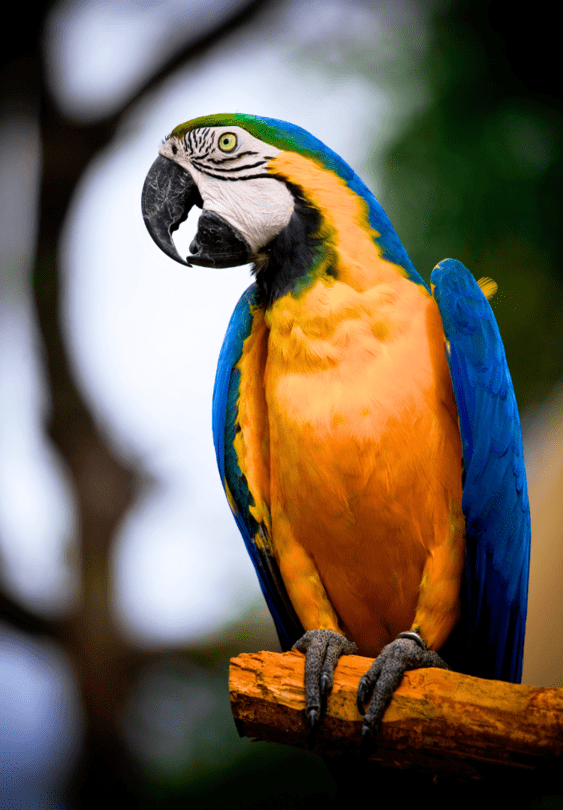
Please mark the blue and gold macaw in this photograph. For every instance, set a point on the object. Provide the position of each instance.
(366, 429)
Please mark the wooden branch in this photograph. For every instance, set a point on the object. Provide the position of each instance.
(438, 721)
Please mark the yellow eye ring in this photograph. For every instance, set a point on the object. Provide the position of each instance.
(227, 142)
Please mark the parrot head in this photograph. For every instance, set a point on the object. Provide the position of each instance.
(270, 194)
(222, 164)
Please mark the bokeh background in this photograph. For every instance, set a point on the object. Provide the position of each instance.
(124, 586)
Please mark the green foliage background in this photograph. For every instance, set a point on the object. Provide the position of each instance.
(475, 173)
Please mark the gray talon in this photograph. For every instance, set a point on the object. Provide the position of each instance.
(322, 649)
(407, 652)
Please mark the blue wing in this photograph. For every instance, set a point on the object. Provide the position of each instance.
(489, 640)
(225, 412)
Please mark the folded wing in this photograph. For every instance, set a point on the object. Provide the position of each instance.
(489, 639)
(243, 496)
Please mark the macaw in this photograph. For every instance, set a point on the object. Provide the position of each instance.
(365, 424)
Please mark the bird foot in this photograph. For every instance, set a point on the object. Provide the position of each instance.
(322, 649)
(408, 651)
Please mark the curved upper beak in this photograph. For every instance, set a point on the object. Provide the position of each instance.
(169, 193)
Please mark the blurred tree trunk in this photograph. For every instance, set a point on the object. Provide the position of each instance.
(103, 484)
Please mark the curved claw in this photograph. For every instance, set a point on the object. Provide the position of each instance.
(313, 717)
(322, 649)
(385, 675)
(366, 738)
(362, 694)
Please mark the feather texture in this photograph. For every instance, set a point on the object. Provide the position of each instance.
(366, 431)
(490, 639)
(255, 533)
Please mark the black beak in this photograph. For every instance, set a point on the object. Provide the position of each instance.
(169, 193)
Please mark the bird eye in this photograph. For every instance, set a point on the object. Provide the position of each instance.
(227, 142)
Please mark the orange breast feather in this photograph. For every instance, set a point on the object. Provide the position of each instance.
(349, 437)
(364, 461)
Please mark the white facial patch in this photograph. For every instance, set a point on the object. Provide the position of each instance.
(258, 207)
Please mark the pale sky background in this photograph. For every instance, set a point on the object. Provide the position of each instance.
(144, 332)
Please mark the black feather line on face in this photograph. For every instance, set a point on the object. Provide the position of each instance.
(230, 158)
(292, 253)
(215, 169)
(204, 169)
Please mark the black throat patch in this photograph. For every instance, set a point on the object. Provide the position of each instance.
(293, 253)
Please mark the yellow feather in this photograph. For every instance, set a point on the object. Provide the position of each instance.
(346, 412)
(488, 287)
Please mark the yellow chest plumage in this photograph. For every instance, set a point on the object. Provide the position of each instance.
(348, 435)
(365, 456)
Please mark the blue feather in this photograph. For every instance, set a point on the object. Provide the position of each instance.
(489, 640)
(225, 411)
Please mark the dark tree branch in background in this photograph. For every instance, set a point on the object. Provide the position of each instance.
(104, 485)
(24, 620)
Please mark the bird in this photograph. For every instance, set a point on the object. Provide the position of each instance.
(365, 423)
